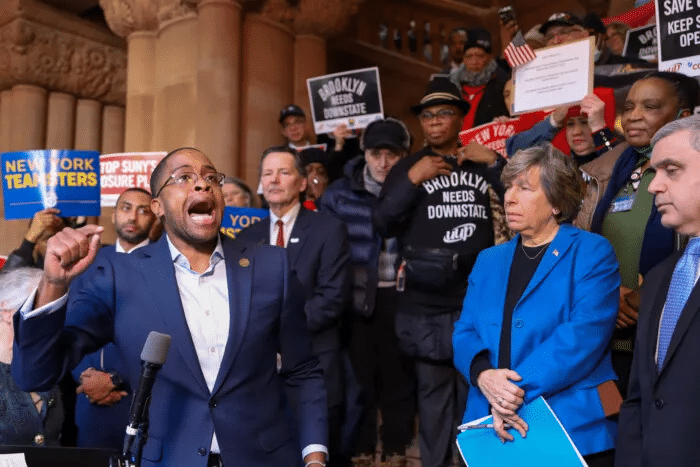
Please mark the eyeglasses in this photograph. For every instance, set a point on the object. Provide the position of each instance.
(443, 114)
(562, 32)
(190, 178)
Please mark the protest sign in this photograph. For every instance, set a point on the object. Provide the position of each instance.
(236, 219)
(559, 75)
(353, 98)
(678, 23)
(125, 170)
(492, 135)
(40, 179)
(642, 43)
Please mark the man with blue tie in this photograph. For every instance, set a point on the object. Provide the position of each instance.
(219, 399)
(658, 421)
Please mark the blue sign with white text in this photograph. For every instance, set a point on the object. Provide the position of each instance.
(237, 219)
(63, 179)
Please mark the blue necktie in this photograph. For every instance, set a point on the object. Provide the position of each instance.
(682, 284)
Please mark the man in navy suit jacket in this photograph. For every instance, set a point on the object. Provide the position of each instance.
(219, 399)
(101, 413)
(658, 420)
(318, 252)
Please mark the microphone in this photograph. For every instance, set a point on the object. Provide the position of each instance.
(153, 355)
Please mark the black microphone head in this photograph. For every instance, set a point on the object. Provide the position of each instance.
(155, 350)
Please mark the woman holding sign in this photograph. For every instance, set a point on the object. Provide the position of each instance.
(540, 310)
(619, 206)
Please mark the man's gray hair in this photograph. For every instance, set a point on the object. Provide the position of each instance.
(560, 178)
(691, 124)
(16, 285)
(298, 162)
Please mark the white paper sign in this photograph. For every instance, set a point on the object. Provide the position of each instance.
(12, 460)
(560, 75)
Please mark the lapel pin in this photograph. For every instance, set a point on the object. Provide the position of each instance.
(294, 240)
(556, 252)
(244, 262)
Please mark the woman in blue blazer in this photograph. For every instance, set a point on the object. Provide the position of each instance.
(540, 310)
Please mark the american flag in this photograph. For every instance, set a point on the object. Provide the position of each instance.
(518, 52)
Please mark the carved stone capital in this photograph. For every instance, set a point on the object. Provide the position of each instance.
(173, 9)
(279, 11)
(316, 17)
(127, 16)
(324, 17)
(59, 60)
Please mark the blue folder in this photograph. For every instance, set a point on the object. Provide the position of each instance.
(547, 442)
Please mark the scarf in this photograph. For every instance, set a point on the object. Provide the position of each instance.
(473, 78)
(371, 184)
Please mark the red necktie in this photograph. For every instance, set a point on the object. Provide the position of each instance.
(280, 233)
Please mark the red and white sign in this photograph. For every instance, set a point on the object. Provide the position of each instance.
(125, 170)
(492, 135)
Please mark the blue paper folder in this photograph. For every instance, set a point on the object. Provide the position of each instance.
(547, 442)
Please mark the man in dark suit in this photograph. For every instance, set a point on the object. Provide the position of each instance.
(102, 412)
(658, 421)
(318, 253)
(219, 399)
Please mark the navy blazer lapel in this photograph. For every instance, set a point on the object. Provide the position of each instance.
(653, 303)
(298, 235)
(690, 309)
(555, 252)
(239, 275)
(159, 274)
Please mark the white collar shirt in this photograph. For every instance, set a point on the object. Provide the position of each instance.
(205, 302)
(120, 249)
(288, 221)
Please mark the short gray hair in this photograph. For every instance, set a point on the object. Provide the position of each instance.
(16, 285)
(247, 193)
(691, 124)
(298, 163)
(560, 178)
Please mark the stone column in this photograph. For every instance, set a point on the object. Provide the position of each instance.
(112, 129)
(137, 21)
(313, 23)
(309, 61)
(5, 120)
(11, 232)
(60, 126)
(140, 91)
(28, 117)
(218, 82)
(176, 82)
(268, 70)
(88, 124)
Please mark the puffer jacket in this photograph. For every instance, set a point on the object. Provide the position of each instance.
(348, 200)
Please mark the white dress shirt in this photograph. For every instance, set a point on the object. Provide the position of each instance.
(120, 249)
(289, 219)
(205, 302)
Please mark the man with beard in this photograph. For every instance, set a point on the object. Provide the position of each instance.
(132, 219)
(229, 307)
(102, 414)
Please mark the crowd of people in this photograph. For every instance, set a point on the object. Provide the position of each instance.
(386, 286)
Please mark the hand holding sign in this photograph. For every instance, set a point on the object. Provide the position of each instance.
(68, 253)
(43, 220)
(594, 107)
